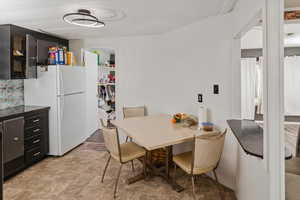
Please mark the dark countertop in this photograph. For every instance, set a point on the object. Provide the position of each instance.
(250, 137)
(18, 110)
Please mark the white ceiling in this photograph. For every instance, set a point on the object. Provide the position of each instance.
(140, 17)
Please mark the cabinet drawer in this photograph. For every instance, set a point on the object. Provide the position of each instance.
(33, 155)
(33, 141)
(29, 132)
(33, 121)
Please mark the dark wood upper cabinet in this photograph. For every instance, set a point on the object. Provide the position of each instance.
(31, 57)
(20, 51)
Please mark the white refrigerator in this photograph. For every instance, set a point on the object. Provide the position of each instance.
(63, 89)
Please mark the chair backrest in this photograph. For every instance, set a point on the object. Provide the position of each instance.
(292, 137)
(111, 140)
(139, 111)
(208, 150)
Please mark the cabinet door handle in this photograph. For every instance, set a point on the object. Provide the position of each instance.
(36, 141)
(36, 154)
(36, 130)
(36, 120)
(16, 139)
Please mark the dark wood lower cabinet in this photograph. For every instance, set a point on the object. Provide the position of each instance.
(35, 141)
(36, 137)
(33, 155)
(1, 162)
(14, 166)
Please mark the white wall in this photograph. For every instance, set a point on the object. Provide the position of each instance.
(76, 47)
(251, 179)
(253, 39)
(200, 56)
(244, 12)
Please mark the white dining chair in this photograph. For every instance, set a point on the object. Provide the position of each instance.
(138, 111)
(129, 112)
(292, 138)
(122, 153)
(204, 157)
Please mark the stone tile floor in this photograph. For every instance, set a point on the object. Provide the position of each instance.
(76, 176)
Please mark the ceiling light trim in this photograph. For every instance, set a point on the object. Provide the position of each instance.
(83, 18)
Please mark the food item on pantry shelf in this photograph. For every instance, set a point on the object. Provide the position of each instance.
(111, 78)
(62, 55)
(17, 53)
(52, 55)
(74, 60)
(57, 55)
(69, 58)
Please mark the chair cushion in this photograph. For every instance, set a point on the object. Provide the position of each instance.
(184, 161)
(130, 151)
(292, 186)
(293, 166)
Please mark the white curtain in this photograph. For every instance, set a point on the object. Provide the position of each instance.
(260, 85)
(252, 76)
(249, 72)
(292, 85)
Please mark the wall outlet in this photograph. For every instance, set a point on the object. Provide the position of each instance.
(200, 98)
(216, 89)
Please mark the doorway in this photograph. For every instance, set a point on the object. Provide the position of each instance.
(104, 86)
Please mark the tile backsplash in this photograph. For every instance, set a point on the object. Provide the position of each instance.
(11, 93)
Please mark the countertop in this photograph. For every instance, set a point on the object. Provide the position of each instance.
(250, 137)
(18, 110)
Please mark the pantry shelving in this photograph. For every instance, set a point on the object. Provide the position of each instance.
(106, 84)
(105, 67)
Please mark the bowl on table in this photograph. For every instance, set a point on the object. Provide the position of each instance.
(208, 126)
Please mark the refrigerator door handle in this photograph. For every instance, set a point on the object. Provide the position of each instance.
(62, 107)
(70, 94)
(61, 84)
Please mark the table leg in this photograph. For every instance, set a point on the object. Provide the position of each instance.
(135, 179)
(141, 176)
(163, 172)
(173, 183)
(168, 152)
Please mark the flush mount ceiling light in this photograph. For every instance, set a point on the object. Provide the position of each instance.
(83, 18)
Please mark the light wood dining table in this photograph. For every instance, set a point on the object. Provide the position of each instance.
(154, 132)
